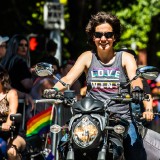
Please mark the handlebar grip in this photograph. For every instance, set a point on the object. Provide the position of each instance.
(12, 128)
(127, 99)
(121, 99)
(49, 93)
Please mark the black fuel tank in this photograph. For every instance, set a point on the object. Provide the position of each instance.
(88, 105)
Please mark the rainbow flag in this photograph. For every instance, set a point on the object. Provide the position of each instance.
(40, 123)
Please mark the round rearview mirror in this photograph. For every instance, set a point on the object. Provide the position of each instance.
(148, 72)
(43, 69)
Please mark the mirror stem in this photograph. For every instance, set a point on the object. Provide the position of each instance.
(68, 87)
(131, 81)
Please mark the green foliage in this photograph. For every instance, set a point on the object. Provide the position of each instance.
(136, 21)
(158, 54)
(37, 13)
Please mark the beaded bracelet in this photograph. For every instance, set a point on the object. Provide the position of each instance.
(149, 110)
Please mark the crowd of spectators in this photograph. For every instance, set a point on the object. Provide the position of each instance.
(15, 59)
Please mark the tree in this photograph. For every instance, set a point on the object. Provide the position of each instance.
(141, 21)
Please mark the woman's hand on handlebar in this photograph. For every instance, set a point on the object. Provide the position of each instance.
(148, 114)
(50, 93)
(5, 127)
(137, 94)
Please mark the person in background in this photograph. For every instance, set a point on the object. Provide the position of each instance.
(8, 106)
(105, 69)
(3, 46)
(51, 48)
(37, 90)
(49, 56)
(17, 63)
(41, 83)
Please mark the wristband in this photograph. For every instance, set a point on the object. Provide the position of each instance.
(56, 89)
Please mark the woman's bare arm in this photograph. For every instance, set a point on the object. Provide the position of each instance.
(81, 65)
(12, 98)
(130, 65)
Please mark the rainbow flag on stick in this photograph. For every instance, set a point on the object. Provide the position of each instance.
(40, 123)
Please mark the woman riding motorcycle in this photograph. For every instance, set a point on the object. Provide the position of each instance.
(105, 69)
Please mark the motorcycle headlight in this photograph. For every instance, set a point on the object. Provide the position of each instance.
(85, 132)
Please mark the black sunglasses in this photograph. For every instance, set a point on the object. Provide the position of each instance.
(23, 45)
(106, 34)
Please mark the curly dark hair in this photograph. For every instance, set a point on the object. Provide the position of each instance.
(101, 18)
(4, 79)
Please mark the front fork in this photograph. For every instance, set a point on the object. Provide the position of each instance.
(70, 153)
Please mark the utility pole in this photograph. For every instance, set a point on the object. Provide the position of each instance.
(54, 21)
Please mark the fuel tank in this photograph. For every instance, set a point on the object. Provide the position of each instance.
(88, 105)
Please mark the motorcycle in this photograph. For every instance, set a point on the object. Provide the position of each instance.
(92, 132)
(15, 118)
(33, 150)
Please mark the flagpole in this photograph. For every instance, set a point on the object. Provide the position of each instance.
(51, 119)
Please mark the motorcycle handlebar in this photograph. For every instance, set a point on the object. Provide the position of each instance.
(12, 128)
(127, 98)
(69, 96)
(122, 99)
(17, 117)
